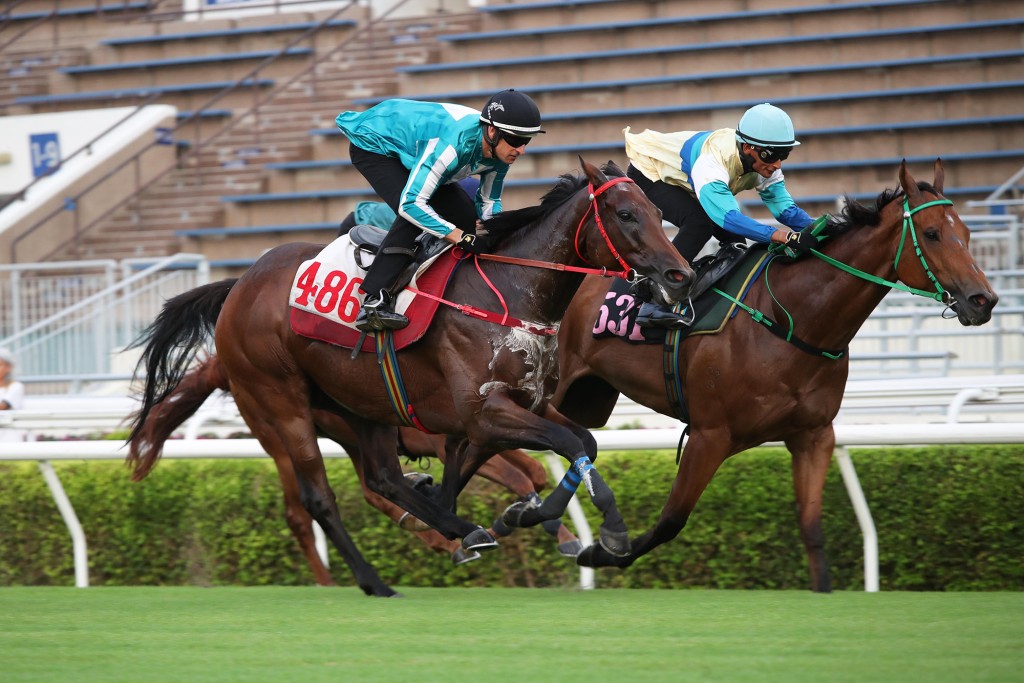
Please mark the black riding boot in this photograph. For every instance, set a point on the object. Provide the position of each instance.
(378, 313)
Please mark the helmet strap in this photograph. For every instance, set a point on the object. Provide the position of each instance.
(492, 142)
(748, 163)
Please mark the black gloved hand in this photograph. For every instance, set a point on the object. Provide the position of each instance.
(802, 242)
(475, 244)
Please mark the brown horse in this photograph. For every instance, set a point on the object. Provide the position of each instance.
(515, 470)
(485, 383)
(745, 386)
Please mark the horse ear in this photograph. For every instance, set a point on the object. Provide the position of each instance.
(907, 181)
(940, 175)
(593, 173)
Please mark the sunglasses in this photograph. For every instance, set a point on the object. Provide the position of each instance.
(515, 140)
(770, 155)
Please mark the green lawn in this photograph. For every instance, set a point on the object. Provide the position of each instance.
(496, 635)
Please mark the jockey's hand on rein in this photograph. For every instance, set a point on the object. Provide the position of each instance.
(802, 242)
(475, 244)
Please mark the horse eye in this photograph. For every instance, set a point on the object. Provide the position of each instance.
(625, 215)
(932, 234)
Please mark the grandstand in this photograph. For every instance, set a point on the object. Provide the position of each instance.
(256, 160)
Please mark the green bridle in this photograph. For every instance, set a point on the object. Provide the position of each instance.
(940, 294)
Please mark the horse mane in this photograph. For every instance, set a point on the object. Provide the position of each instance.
(855, 214)
(568, 184)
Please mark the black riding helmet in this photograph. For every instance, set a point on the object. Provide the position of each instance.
(514, 114)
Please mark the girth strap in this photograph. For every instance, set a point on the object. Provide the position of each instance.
(387, 361)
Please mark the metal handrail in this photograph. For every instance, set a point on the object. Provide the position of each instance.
(196, 116)
(198, 259)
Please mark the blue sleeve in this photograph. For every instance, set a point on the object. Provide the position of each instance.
(778, 200)
(721, 207)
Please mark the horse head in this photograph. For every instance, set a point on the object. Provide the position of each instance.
(944, 263)
(629, 233)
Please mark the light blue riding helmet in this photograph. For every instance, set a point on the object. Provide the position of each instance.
(765, 125)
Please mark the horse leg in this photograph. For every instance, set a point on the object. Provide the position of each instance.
(289, 433)
(525, 477)
(337, 427)
(383, 476)
(504, 421)
(299, 520)
(701, 458)
(812, 455)
(429, 537)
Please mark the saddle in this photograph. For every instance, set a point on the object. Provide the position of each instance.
(732, 269)
(367, 240)
(325, 297)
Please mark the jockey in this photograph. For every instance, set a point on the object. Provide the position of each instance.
(413, 154)
(693, 178)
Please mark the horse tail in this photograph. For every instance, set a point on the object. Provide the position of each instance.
(171, 343)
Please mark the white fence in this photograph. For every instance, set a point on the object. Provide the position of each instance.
(848, 436)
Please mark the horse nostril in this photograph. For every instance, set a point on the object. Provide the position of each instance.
(680, 277)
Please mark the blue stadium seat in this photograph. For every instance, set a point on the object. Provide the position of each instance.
(517, 6)
(182, 61)
(907, 31)
(256, 230)
(745, 15)
(223, 33)
(716, 76)
(138, 93)
(78, 11)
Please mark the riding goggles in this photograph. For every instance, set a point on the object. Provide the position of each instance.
(515, 140)
(770, 155)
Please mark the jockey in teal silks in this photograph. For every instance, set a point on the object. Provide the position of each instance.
(413, 154)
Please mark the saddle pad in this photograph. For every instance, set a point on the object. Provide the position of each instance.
(617, 315)
(325, 297)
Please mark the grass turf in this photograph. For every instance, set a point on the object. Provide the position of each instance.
(496, 635)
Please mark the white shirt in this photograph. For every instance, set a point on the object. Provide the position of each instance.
(14, 395)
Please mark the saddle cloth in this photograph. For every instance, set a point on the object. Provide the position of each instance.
(325, 297)
(616, 316)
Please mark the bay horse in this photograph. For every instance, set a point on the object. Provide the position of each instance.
(482, 379)
(514, 470)
(744, 386)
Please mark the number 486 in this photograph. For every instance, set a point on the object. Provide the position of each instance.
(336, 295)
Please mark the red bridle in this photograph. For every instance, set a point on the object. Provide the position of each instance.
(504, 318)
(626, 273)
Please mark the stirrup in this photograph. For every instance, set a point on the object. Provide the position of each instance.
(377, 314)
(661, 316)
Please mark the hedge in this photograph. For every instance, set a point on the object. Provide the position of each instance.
(948, 519)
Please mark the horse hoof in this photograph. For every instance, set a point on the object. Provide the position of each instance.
(588, 557)
(461, 556)
(479, 540)
(615, 542)
(419, 480)
(410, 522)
(381, 591)
(570, 548)
(513, 514)
(595, 556)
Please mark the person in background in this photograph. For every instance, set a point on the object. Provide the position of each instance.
(694, 177)
(413, 153)
(12, 392)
